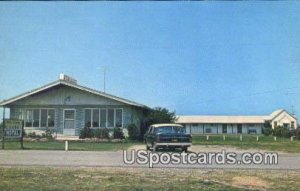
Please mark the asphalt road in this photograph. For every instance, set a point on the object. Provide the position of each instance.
(115, 159)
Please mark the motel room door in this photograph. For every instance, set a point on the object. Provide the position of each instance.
(69, 122)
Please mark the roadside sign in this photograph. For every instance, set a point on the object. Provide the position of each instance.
(13, 129)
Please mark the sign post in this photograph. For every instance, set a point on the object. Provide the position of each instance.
(13, 129)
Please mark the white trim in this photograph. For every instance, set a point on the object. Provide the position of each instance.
(59, 82)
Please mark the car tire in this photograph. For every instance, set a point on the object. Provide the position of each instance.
(185, 149)
(154, 148)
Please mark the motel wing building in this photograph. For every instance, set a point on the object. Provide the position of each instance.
(201, 124)
(66, 108)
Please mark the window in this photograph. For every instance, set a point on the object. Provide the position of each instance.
(169, 129)
(110, 118)
(95, 118)
(208, 130)
(252, 131)
(119, 118)
(275, 124)
(91, 117)
(39, 117)
(51, 115)
(36, 118)
(47, 117)
(44, 116)
(28, 118)
(103, 117)
(292, 124)
(224, 128)
(87, 118)
(195, 125)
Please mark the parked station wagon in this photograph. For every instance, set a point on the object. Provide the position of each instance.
(167, 136)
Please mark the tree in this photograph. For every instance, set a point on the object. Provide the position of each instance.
(133, 132)
(267, 130)
(157, 115)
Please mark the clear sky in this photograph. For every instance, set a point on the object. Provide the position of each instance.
(192, 57)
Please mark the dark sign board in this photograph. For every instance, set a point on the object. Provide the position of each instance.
(13, 128)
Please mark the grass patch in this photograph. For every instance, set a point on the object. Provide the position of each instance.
(144, 179)
(250, 142)
(73, 145)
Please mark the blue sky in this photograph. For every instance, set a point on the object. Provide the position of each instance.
(192, 57)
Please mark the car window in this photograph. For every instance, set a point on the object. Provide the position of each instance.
(178, 129)
(169, 129)
(151, 130)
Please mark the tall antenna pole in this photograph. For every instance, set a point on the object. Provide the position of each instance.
(104, 79)
(293, 111)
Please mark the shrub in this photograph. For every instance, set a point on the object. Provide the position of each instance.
(86, 132)
(281, 132)
(267, 131)
(118, 133)
(33, 135)
(296, 133)
(101, 133)
(48, 134)
(133, 132)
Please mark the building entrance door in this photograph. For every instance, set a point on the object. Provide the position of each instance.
(69, 122)
(239, 128)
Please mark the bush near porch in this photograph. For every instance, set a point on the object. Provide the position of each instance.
(88, 132)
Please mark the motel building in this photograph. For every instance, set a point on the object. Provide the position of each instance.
(66, 107)
(202, 124)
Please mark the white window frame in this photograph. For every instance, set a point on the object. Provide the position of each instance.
(92, 116)
(24, 113)
(106, 116)
(47, 117)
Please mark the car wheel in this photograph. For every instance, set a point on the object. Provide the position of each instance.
(154, 148)
(185, 149)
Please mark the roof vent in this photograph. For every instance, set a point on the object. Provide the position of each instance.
(66, 78)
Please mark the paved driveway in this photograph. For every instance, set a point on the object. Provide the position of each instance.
(115, 159)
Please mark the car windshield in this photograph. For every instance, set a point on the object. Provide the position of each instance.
(169, 129)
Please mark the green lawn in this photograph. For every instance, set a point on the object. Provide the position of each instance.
(33, 178)
(73, 145)
(250, 142)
